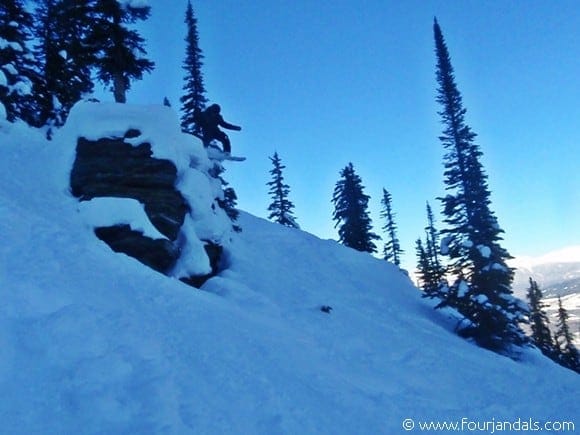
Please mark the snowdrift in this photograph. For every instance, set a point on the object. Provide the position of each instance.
(94, 342)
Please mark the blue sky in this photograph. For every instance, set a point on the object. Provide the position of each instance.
(325, 83)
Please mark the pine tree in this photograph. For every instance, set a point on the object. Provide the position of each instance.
(52, 61)
(17, 63)
(432, 272)
(568, 355)
(194, 91)
(119, 49)
(392, 250)
(423, 267)
(66, 57)
(541, 335)
(228, 201)
(350, 212)
(483, 295)
(433, 242)
(281, 207)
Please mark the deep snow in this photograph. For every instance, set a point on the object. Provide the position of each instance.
(94, 342)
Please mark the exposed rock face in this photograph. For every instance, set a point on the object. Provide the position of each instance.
(111, 167)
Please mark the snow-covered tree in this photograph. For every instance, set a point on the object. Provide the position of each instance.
(541, 335)
(473, 234)
(120, 50)
(193, 99)
(66, 57)
(567, 354)
(17, 62)
(281, 207)
(350, 212)
(229, 199)
(392, 250)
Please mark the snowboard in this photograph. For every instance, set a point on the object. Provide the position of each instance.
(215, 153)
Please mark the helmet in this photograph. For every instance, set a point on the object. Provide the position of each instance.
(215, 108)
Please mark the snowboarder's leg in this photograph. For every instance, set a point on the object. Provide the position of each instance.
(225, 140)
(209, 134)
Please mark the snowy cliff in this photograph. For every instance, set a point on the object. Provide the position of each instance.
(147, 188)
(93, 342)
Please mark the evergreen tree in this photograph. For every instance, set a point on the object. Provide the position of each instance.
(568, 355)
(539, 321)
(228, 201)
(433, 243)
(423, 267)
(119, 49)
(432, 272)
(52, 61)
(17, 63)
(392, 250)
(194, 98)
(483, 295)
(66, 57)
(281, 207)
(229, 204)
(350, 212)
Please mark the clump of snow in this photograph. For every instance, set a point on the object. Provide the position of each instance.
(481, 299)
(462, 288)
(134, 4)
(444, 250)
(104, 212)
(22, 87)
(3, 113)
(10, 69)
(484, 250)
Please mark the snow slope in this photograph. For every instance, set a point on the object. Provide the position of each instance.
(93, 342)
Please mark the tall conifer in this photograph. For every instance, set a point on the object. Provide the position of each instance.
(568, 355)
(539, 321)
(432, 271)
(193, 99)
(482, 293)
(392, 250)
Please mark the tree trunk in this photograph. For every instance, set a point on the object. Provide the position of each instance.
(119, 88)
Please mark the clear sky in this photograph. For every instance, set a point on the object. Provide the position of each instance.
(325, 83)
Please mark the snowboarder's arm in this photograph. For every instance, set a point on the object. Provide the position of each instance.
(227, 125)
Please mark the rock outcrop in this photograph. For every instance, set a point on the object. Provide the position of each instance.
(124, 165)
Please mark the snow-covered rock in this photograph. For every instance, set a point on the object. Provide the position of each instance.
(121, 156)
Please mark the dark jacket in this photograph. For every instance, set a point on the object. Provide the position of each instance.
(210, 119)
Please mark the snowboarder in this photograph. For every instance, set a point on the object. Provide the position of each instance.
(209, 121)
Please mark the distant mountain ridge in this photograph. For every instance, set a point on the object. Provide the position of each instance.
(557, 273)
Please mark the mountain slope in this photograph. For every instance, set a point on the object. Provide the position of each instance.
(558, 274)
(94, 342)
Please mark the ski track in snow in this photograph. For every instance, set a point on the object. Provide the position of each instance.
(94, 342)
